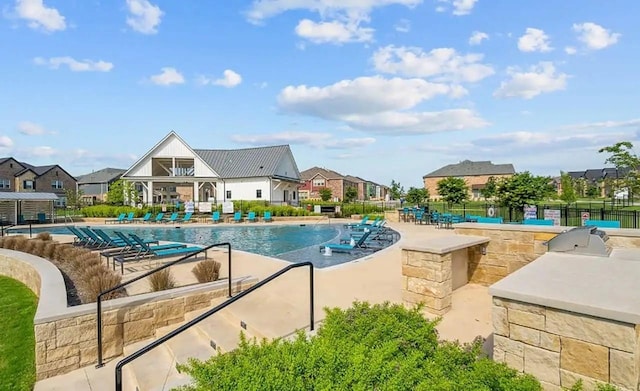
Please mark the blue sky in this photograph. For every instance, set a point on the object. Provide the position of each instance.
(382, 89)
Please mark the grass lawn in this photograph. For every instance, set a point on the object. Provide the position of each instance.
(17, 340)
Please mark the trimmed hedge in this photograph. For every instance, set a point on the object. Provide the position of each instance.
(379, 347)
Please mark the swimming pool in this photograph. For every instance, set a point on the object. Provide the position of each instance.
(292, 243)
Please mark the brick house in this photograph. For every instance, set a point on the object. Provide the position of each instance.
(368, 190)
(603, 181)
(18, 176)
(475, 174)
(317, 178)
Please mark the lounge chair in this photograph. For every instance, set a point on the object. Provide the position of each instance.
(215, 217)
(358, 244)
(267, 217)
(366, 225)
(237, 217)
(362, 222)
(145, 219)
(130, 218)
(159, 251)
(159, 217)
(118, 220)
(42, 218)
(251, 217)
(137, 248)
(172, 219)
(186, 218)
(80, 238)
(97, 242)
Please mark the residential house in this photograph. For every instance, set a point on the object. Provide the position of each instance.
(598, 182)
(95, 186)
(174, 171)
(317, 178)
(367, 190)
(475, 174)
(18, 176)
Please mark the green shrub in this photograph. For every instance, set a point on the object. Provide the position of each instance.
(379, 347)
(110, 211)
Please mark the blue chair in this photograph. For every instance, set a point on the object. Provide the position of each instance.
(215, 217)
(145, 219)
(159, 217)
(172, 219)
(237, 217)
(118, 220)
(80, 238)
(42, 218)
(537, 222)
(129, 218)
(490, 220)
(186, 218)
(359, 244)
(251, 217)
(267, 217)
(362, 222)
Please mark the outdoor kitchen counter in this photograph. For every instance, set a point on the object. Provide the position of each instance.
(604, 287)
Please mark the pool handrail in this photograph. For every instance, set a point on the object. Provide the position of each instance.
(219, 307)
(162, 267)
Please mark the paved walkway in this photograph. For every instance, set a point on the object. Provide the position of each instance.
(375, 278)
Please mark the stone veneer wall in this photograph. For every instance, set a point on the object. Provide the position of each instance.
(66, 337)
(560, 347)
(513, 246)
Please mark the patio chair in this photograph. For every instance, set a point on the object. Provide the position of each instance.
(80, 238)
(362, 222)
(138, 248)
(96, 241)
(267, 217)
(215, 217)
(237, 217)
(42, 218)
(159, 217)
(186, 218)
(358, 244)
(251, 217)
(172, 219)
(118, 220)
(144, 219)
(130, 218)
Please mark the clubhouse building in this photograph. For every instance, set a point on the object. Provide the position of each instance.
(171, 171)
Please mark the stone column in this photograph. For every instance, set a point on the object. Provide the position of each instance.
(426, 279)
(196, 191)
(149, 192)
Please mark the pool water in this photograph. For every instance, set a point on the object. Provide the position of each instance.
(292, 243)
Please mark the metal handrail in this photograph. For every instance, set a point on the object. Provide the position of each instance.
(5, 228)
(166, 265)
(212, 311)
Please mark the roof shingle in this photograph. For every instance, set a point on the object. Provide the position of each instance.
(469, 168)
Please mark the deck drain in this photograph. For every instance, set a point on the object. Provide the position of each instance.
(243, 325)
(213, 345)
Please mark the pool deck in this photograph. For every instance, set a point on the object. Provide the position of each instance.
(375, 278)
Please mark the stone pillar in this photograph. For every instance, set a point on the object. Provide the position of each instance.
(196, 191)
(426, 278)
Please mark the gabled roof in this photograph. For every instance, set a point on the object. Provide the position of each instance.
(105, 175)
(469, 168)
(41, 170)
(4, 159)
(313, 171)
(354, 179)
(247, 162)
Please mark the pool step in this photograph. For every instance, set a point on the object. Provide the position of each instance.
(153, 371)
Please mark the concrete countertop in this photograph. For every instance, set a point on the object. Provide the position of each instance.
(605, 287)
(445, 244)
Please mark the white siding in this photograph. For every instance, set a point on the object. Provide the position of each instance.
(202, 170)
(286, 167)
(173, 147)
(142, 169)
(244, 189)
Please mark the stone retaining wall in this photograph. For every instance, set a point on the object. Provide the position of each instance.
(560, 347)
(66, 337)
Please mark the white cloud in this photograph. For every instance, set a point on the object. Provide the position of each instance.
(541, 78)
(39, 16)
(336, 32)
(379, 105)
(463, 7)
(96, 160)
(6, 142)
(633, 123)
(74, 65)
(264, 9)
(38, 152)
(167, 77)
(444, 64)
(570, 50)
(477, 37)
(403, 26)
(318, 140)
(594, 36)
(230, 79)
(534, 40)
(144, 17)
(32, 129)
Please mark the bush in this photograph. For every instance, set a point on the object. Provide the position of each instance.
(380, 347)
(161, 280)
(43, 236)
(207, 271)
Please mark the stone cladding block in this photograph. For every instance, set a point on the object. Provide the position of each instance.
(585, 358)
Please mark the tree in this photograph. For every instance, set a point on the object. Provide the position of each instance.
(627, 163)
(568, 193)
(417, 196)
(523, 189)
(453, 190)
(350, 195)
(325, 194)
(489, 190)
(396, 191)
(121, 192)
(74, 197)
